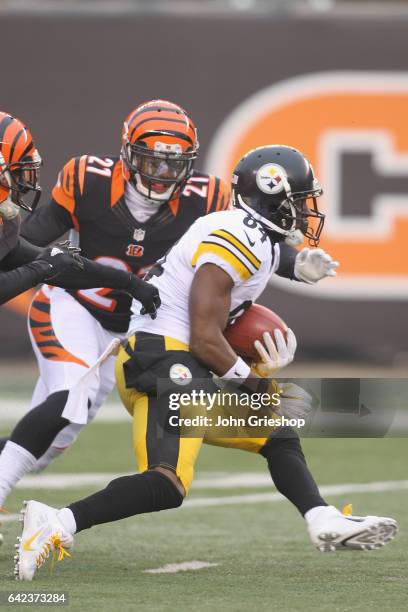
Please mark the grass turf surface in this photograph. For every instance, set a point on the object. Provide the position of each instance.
(264, 557)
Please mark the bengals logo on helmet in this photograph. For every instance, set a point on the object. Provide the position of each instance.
(352, 126)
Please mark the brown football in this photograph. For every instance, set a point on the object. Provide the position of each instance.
(250, 326)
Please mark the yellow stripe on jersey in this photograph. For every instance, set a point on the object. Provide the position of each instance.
(238, 245)
(225, 254)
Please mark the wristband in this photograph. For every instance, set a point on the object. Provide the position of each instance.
(239, 371)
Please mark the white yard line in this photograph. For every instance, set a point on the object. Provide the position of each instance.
(9, 518)
(216, 480)
(211, 481)
(173, 568)
(12, 410)
(256, 498)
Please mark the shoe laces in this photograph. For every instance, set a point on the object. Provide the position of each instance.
(347, 510)
(53, 543)
(62, 552)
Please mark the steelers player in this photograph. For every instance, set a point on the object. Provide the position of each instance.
(223, 262)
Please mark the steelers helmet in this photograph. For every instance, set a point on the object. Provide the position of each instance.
(276, 185)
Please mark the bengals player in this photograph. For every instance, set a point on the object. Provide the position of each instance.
(23, 265)
(126, 211)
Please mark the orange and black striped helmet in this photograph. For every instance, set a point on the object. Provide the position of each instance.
(159, 146)
(19, 164)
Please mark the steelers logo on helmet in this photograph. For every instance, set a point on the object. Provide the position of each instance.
(180, 374)
(271, 179)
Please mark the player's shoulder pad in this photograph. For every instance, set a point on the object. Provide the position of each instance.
(241, 249)
(244, 233)
(95, 172)
(83, 177)
(211, 192)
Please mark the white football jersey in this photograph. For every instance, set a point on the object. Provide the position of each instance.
(230, 239)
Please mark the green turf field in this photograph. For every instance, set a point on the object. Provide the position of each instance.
(263, 555)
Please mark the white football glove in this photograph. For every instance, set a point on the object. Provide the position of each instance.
(295, 402)
(8, 210)
(274, 355)
(311, 265)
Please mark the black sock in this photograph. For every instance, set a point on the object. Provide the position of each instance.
(289, 471)
(126, 496)
(3, 443)
(37, 429)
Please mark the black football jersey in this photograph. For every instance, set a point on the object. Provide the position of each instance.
(89, 198)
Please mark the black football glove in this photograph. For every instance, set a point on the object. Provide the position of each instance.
(145, 293)
(61, 257)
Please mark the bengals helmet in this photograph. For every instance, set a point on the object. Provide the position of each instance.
(159, 146)
(276, 185)
(19, 164)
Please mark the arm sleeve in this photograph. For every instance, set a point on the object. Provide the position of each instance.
(19, 280)
(286, 266)
(93, 275)
(58, 216)
(47, 224)
(22, 254)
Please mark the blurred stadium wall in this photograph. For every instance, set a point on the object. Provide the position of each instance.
(329, 78)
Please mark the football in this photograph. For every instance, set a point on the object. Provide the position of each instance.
(250, 326)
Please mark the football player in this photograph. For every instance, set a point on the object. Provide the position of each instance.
(126, 211)
(19, 167)
(219, 267)
(23, 265)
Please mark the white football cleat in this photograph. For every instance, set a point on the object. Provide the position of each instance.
(42, 533)
(331, 530)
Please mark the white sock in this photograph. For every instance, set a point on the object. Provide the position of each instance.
(67, 519)
(313, 512)
(15, 462)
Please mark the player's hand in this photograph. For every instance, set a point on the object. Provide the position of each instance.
(295, 402)
(8, 210)
(311, 265)
(146, 293)
(274, 354)
(61, 258)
